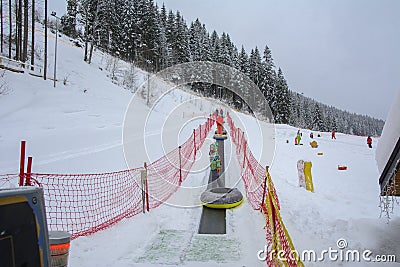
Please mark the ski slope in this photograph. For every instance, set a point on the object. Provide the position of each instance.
(77, 128)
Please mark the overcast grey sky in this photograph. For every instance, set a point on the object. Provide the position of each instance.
(343, 53)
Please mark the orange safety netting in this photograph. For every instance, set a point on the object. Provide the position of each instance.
(82, 204)
(261, 194)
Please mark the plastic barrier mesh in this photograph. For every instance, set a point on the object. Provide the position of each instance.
(82, 204)
(261, 194)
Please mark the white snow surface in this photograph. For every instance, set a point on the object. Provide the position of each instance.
(77, 128)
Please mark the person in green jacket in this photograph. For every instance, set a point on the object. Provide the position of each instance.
(216, 163)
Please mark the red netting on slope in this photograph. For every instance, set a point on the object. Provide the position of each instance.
(253, 174)
(83, 204)
(255, 177)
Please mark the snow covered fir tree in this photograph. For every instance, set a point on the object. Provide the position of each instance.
(154, 38)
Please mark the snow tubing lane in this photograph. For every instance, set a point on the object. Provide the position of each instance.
(221, 198)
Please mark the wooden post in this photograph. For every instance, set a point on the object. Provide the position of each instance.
(180, 166)
(28, 171)
(244, 154)
(147, 189)
(22, 163)
(194, 142)
(265, 185)
(143, 178)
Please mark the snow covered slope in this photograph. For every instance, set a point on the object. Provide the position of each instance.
(77, 128)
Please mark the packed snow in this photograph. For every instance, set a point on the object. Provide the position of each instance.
(77, 128)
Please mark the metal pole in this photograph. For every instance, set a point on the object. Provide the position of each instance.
(22, 164)
(55, 53)
(28, 171)
(148, 88)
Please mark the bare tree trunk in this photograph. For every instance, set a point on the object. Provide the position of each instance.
(45, 40)
(16, 30)
(93, 32)
(33, 35)
(19, 30)
(10, 27)
(26, 21)
(1, 18)
(85, 57)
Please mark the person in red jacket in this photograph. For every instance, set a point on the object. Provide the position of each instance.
(369, 142)
(219, 121)
(333, 135)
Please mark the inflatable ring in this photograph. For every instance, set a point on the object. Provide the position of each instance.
(221, 198)
(222, 136)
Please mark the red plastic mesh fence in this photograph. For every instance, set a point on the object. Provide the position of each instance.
(255, 179)
(83, 204)
(253, 174)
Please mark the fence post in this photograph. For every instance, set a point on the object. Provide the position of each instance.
(244, 154)
(147, 189)
(22, 163)
(265, 185)
(143, 178)
(28, 172)
(180, 166)
(194, 142)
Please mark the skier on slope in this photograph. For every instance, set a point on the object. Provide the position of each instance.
(297, 139)
(369, 142)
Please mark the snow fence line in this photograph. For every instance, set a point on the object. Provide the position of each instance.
(261, 193)
(83, 204)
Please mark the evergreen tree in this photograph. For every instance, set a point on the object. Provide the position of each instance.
(318, 120)
(68, 21)
(282, 98)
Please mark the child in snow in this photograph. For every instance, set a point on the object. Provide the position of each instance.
(369, 142)
(212, 151)
(215, 163)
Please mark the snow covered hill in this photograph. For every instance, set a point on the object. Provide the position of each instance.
(77, 128)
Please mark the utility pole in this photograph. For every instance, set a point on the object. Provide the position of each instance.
(33, 35)
(54, 14)
(45, 41)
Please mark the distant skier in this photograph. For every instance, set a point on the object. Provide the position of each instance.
(333, 134)
(369, 142)
(311, 135)
(297, 139)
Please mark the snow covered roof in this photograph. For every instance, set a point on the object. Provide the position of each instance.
(386, 156)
